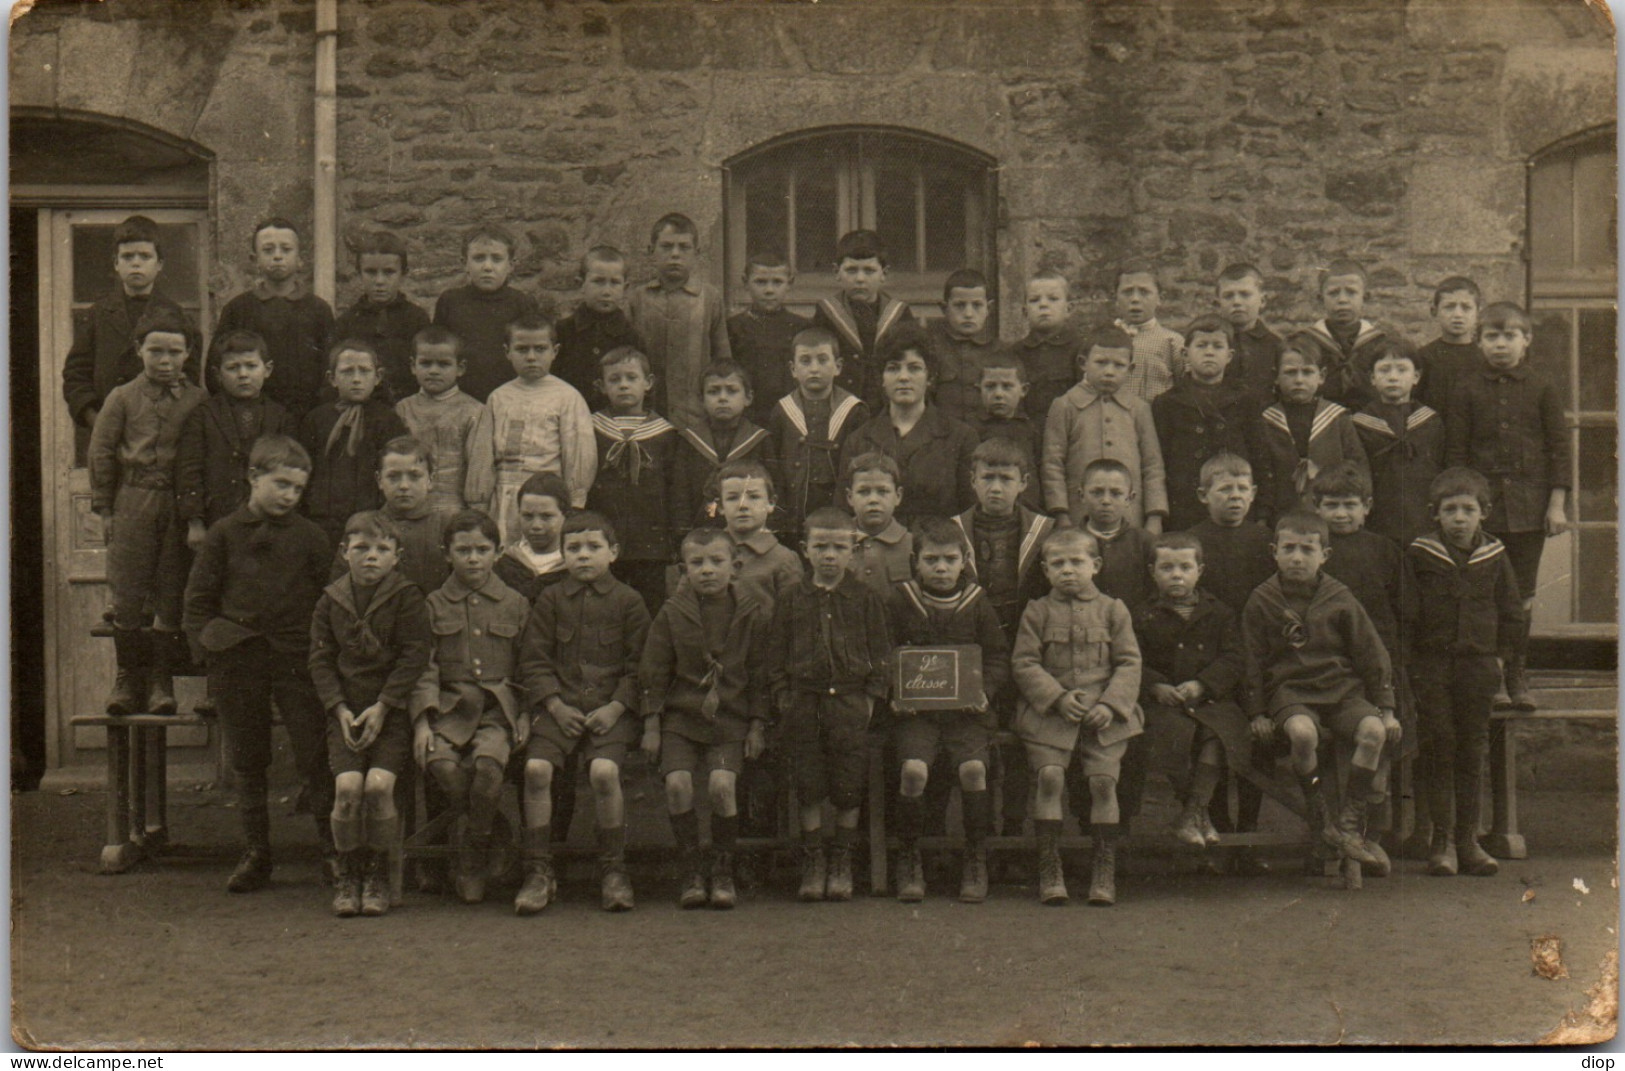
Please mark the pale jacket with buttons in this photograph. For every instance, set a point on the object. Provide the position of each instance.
(476, 647)
(1084, 426)
(1076, 644)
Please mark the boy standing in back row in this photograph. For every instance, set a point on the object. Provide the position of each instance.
(682, 322)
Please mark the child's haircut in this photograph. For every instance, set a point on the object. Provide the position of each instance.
(747, 470)
(724, 370)
(470, 520)
(1210, 323)
(1459, 480)
(436, 335)
(1177, 541)
(623, 354)
(1235, 273)
(1136, 267)
(766, 258)
(963, 279)
(1304, 345)
(1053, 274)
(1223, 463)
(675, 221)
(494, 232)
(137, 229)
(828, 517)
(1000, 451)
(271, 452)
(1072, 537)
(1506, 316)
(589, 521)
(531, 321)
(547, 485)
(163, 318)
(380, 243)
(240, 341)
(1000, 358)
(281, 223)
(1343, 267)
(1392, 347)
(602, 254)
(705, 537)
(1303, 522)
(809, 338)
(1109, 337)
(1346, 480)
(352, 345)
(909, 336)
(372, 524)
(1452, 285)
(875, 461)
(937, 532)
(1108, 464)
(860, 245)
(407, 446)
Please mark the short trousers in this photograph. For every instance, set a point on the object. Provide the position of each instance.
(391, 751)
(147, 561)
(826, 741)
(491, 740)
(1097, 759)
(1343, 717)
(678, 752)
(920, 737)
(1523, 551)
(549, 744)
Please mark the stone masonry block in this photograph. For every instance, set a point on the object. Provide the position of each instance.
(1465, 211)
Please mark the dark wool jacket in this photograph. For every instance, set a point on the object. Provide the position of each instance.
(371, 656)
(633, 486)
(582, 644)
(1348, 368)
(762, 344)
(967, 618)
(1510, 427)
(677, 672)
(423, 553)
(584, 336)
(517, 574)
(859, 330)
(834, 641)
(1373, 567)
(1405, 445)
(809, 456)
(935, 459)
(298, 332)
(1469, 607)
(211, 459)
(1329, 653)
(1028, 435)
(1032, 529)
(480, 321)
(342, 483)
(1257, 350)
(390, 328)
(1125, 571)
(1054, 365)
(1205, 649)
(958, 387)
(1235, 560)
(1443, 365)
(695, 461)
(256, 577)
(1195, 422)
(103, 354)
(1284, 476)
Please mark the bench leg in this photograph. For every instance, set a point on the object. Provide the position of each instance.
(877, 819)
(154, 821)
(119, 853)
(1503, 840)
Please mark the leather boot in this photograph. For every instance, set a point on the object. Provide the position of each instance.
(1442, 854)
(1103, 876)
(347, 891)
(375, 884)
(1472, 858)
(541, 886)
(977, 813)
(614, 886)
(839, 886)
(161, 674)
(685, 828)
(1351, 819)
(132, 647)
(1515, 670)
(1051, 875)
(814, 871)
(910, 875)
(253, 871)
(723, 896)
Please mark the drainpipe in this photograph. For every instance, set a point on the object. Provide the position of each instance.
(325, 238)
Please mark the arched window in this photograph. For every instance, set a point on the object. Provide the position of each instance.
(931, 200)
(1573, 238)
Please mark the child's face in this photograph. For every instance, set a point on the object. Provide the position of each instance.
(768, 286)
(1228, 498)
(938, 566)
(137, 265)
(861, 278)
(276, 492)
(1105, 370)
(905, 379)
(1047, 304)
(354, 375)
(1503, 347)
(1394, 378)
(1343, 298)
(1460, 517)
(405, 480)
(745, 504)
(966, 310)
(1299, 555)
(675, 255)
(1071, 569)
(1298, 378)
(603, 285)
(1137, 296)
(436, 367)
(242, 375)
(725, 399)
(540, 520)
(814, 369)
(626, 385)
(162, 355)
(488, 264)
(471, 555)
(1176, 572)
(874, 498)
(276, 253)
(380, 277)
(997, 487)
(588, 555)
(1106, 495)
(710, 567)
(370, 558)
(1343, 514)
(531, 353)
(1241, 301)
(829, 551)
(1457, 315)
(1002, 392)
(1207, 355)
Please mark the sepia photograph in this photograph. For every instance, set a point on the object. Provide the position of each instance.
(811, 524)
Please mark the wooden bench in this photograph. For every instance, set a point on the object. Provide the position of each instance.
(137, 784)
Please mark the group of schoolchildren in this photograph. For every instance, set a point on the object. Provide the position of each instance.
(421, 542)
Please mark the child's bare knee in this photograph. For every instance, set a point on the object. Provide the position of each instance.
(1300, 731)
(380, 790)
(1051, 779)
(914, 776)
(720, 789)
(605, 777)
(1102, 787)
(538, 775)
(1369, 733)
(679, 790)
(347, 789)
(973, 775)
